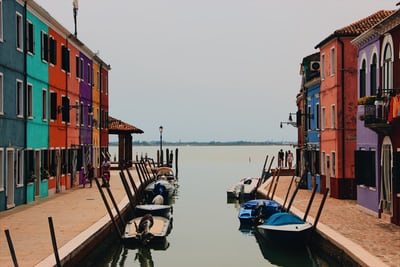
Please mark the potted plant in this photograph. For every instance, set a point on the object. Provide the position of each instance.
(44, 174)
(32, 178)
(367, 100)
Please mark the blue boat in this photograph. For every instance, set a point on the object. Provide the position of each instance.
(286, 229)
(257, 210)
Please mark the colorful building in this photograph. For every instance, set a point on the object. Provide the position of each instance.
(50, 108)
(377, 156)
(338, 100)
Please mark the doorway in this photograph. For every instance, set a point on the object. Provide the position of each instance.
(10, 179)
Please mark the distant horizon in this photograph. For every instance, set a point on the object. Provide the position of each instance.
(238, 142)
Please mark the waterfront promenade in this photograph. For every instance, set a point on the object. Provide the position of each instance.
(80, 212)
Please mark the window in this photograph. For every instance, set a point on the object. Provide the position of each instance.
(53, 51)
(333, 61)
(333, 116)
(317, 116)
(81, 68)
(89, 74)
(77, 112)
(20, 167)
(323, 163)
(1, 20)
(77, 67)
(65, 65)
(29, 100)
(387, 68)
(322, 67)
(363, 82)
(1, 166)
(333, 164)
(365, 173)
(98, 80)
(81, 115)
(19, 33)
(53, 105)
(65, 109)
(1, 93)
(19, 97)
(44, 46)
(44, 104)
(373, 79)
(323, 118)
(309, 117)
(30, 37)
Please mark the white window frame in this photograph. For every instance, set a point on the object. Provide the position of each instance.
(333, 164)
(1, 94)
(1, 21)
(20, 167)
(322, 67)
(29, 100)
(44, 104)
(19, 94)
(317, 117)
(333, 62)
(30, 50)
(2, 177)
(19, 35)
(333, 116)
(323, 165)
(323, 118)
(77, 111)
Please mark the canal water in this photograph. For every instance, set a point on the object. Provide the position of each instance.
(205, 225)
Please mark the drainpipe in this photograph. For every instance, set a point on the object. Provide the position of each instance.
(343, 103)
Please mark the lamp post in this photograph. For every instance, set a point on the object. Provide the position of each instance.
(161, 151)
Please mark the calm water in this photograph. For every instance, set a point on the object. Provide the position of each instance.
(205, 227)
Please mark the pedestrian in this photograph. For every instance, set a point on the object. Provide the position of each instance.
(106, 165)
(281, 156)
(290, 159)
(89, 175)
(286, 155)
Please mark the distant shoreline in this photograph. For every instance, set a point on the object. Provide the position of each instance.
(211, 143)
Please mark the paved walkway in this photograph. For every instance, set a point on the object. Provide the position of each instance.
(373, 241)
(79, 212)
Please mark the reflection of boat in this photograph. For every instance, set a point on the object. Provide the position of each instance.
(245, 188)
(257, 210)
(285, 229)
(288, 257)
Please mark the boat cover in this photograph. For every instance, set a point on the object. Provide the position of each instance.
(283, 218)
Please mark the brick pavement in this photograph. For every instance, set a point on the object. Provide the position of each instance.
(362, 235)
(370, 240)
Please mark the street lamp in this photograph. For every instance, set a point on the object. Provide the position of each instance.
(161, 151)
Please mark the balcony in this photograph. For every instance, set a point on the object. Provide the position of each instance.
(375, 118)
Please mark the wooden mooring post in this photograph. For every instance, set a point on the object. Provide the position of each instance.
(11, 247)
(54, 241)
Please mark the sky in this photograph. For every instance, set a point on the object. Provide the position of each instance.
(207, 70)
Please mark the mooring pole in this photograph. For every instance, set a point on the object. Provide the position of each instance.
(136, 190)
(109, 209)
(287, 194)
(11, 247)
(310, 203)
(294, 194)
(176, 163)
(127, 189)
(54, 242)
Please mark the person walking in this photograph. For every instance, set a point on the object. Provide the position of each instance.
(106, 165)
(89, 175)
(290, 159)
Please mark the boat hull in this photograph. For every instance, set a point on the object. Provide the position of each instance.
(244, 189)
(257, 210)
(286, 235)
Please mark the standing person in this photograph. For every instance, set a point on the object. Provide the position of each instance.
(281, 155)
(286, 158)
(106, 165)
(290, 159)
(89, 175)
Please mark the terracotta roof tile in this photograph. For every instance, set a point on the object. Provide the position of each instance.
(358, 27)
(364, 24)
(116, 126)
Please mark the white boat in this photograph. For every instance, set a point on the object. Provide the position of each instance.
(245, 188)
(153, 209)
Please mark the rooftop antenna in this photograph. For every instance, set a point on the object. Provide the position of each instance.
(75, 4)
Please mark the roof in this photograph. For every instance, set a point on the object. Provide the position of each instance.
(358, 27)
(116, 126)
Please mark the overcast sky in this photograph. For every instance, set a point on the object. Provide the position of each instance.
(207, 70)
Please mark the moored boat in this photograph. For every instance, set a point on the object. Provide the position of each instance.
(285, 228)
(245, 188)
(256, 211)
